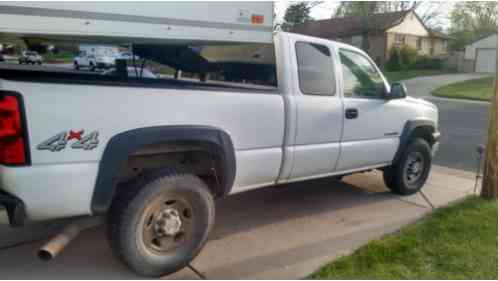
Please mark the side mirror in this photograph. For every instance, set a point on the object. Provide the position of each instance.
(398, 91)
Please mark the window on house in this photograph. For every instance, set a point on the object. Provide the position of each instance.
(357, 41)
(399, 39)
(419, 43)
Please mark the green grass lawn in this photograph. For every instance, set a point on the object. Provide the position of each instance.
(407, 74)
(476, 89)
(456, 242)
(61, 57)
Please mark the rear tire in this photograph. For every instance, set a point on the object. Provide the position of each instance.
(410, 173)
(160, 222)
(76, 66)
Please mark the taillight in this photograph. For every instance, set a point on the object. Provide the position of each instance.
(13, 139)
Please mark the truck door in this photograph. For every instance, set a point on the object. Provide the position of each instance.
(83, 58)
(315, 109)
(370, 135)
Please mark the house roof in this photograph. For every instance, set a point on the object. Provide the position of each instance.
(482, 38)
(347, 26)
(437, 34)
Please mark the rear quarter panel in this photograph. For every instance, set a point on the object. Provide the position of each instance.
(254, 121)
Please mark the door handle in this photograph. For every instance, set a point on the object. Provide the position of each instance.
(351, 113)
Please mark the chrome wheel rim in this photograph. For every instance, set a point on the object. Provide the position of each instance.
(166, 224)
(414, 167)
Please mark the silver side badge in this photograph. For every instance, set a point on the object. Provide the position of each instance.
(81, 141)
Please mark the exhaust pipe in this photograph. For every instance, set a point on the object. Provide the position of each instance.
(68, 233)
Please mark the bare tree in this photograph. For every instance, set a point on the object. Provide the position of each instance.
(298, 13)
(471, 21)
(429, 12)
(432, 13)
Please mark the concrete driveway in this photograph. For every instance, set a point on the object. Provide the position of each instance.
(272, 233)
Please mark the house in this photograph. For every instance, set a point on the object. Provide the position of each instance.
(384, 31)
(483, 53)
(439, 43)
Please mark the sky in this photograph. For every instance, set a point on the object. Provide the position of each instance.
(327, 8)
(322, 11)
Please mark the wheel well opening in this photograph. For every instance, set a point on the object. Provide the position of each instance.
(194, 158)
(425, 133)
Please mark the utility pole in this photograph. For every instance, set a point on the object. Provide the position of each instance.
(490, 178)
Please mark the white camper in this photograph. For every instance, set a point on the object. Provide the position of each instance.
(249, 22)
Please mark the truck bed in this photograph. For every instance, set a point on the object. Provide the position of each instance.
(58, 75)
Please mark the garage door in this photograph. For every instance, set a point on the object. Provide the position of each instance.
(486, 60)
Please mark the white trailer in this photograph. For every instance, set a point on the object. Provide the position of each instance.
(161, 22)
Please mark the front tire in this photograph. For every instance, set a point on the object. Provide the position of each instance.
(410, 173)
(160, 222)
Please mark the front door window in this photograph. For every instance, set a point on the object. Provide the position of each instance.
(361, 78)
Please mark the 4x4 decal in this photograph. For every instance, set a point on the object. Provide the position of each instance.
(59, 141)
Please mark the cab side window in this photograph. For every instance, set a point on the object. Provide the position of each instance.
(315, 69)
(361, 78)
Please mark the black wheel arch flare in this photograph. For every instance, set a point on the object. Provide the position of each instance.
(407, 134)
(123, 144)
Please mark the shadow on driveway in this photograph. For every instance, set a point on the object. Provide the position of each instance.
(255, 230)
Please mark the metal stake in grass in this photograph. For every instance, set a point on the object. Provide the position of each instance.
(480, 151)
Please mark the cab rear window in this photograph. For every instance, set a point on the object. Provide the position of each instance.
(315, 69)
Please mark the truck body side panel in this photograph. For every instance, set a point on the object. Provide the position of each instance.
(254, 121)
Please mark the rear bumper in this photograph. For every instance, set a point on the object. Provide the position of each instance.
(14, 206)
(50, 191)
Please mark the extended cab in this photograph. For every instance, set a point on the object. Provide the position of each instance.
(152, 155)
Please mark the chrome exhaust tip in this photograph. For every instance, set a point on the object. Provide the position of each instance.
(55, 246)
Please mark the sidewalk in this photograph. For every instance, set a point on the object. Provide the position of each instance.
(272, 233)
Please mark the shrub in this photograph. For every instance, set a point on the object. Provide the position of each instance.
(408, 56)
(394, 62)
(425, 62)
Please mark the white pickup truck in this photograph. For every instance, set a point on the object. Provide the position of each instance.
(92, 62)
(153, 155)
